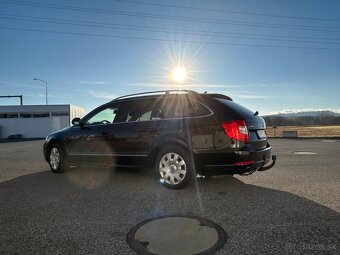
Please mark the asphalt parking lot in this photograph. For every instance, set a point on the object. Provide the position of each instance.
(291, 209)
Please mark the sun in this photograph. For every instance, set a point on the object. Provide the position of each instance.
(179, 74)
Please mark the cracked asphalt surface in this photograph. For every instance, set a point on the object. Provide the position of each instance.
(291, 209)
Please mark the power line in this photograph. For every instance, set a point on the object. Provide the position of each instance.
(227, 11)
(140, 28)
(185, 30)
(167, 40)
(172, 17)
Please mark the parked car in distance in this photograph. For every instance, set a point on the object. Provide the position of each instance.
(180, 133)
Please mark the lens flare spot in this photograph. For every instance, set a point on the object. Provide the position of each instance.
(100, 169)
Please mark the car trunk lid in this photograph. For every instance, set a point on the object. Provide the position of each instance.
(255, 124)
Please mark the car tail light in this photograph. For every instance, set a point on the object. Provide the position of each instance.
(237, 130)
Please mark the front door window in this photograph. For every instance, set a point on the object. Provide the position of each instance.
(105, 116)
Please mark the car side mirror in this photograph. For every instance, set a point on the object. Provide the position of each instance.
(76, 122)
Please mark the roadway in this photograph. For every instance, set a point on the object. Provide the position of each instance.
(292, 208)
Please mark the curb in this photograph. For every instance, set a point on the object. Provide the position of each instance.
(20, 140)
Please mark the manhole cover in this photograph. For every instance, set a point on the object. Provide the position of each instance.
(304, 152)
(176, 234)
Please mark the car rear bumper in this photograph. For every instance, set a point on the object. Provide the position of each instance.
(268, 165)
(238, 162)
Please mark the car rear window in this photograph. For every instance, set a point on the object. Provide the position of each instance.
(241, 110)
(179, 106)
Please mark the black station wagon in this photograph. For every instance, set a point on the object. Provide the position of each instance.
(180, 133)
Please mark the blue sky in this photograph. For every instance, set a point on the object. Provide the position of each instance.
(90, 70)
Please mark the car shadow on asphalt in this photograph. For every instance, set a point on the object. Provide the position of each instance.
(88, 210)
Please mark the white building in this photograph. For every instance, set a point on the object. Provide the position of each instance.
(36, 121)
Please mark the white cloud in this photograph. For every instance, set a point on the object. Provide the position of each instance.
(185, 86)
(10, 84)
(40, 95)
(102, 95)
(91, 82)
(248, 96)
(211, 85)
(59, 95)
(287, 111)
(265, 85)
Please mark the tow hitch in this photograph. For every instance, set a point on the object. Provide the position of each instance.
(264, 168)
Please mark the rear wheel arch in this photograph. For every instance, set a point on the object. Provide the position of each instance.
(167, 142)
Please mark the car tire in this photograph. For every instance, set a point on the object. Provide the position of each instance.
(57, 159)
(173, 167)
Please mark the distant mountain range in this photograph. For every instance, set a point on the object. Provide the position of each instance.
(300, 118)
(321, 113)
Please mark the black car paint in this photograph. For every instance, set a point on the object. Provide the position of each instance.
(135, 143)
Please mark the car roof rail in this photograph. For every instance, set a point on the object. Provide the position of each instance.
(166, 92)
(219, 96)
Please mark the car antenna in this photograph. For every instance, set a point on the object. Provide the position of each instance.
(256, 113)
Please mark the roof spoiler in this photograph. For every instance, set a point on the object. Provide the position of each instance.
(220, 96)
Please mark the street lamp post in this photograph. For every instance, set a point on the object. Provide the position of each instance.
(36, 79)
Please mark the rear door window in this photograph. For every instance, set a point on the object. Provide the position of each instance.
(137, 110)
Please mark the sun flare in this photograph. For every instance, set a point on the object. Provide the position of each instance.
(179, 74)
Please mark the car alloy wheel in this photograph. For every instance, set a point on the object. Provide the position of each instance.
(54, 158)
(172, 168)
